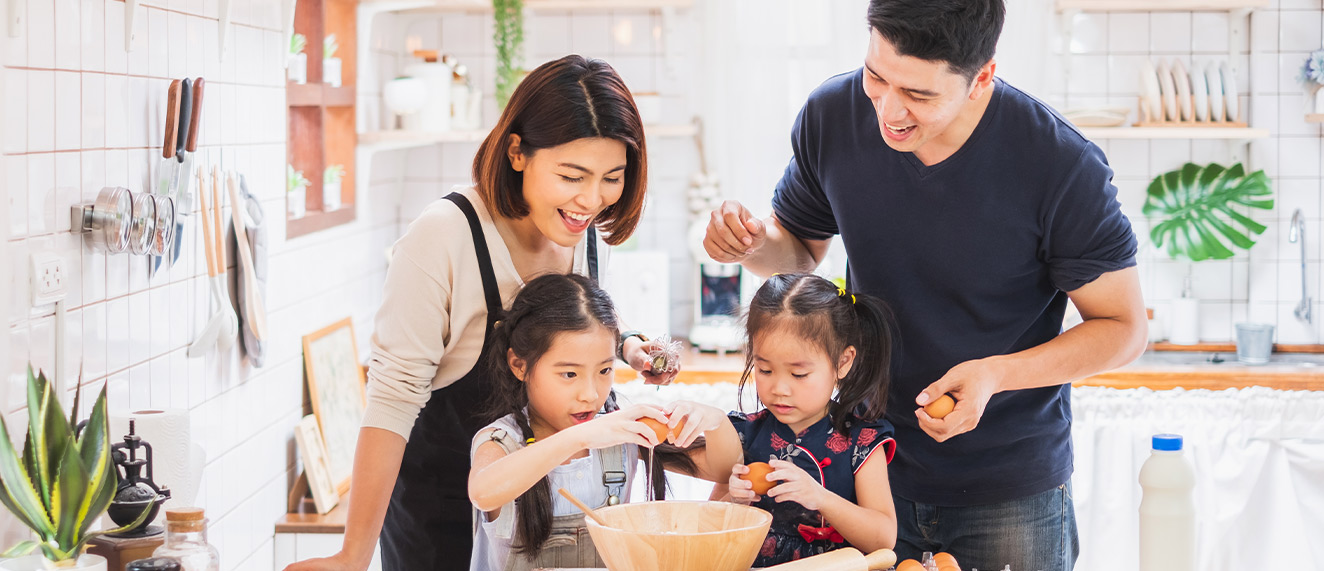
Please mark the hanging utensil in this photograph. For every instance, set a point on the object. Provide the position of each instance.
(221, 283)
(166, 169)
(189, 144)
(254, 311)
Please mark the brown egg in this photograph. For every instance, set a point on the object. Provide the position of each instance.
(946, 562)
(662, 430)
(941, 407)
(910, 565)
(758, 475)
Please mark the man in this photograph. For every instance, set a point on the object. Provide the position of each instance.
(977, 212)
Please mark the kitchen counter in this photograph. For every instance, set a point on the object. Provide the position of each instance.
(1158, 370)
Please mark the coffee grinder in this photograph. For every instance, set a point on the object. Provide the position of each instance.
(135, 492)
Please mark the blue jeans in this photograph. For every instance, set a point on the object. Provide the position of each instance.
(1035, 533)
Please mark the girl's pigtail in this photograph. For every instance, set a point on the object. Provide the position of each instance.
(863, 391)
(533, 508)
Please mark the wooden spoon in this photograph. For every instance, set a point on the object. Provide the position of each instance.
(582, 507)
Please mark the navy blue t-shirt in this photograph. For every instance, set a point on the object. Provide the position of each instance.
(974, 255)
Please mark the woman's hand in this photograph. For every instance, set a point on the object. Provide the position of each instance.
(337, 562)
(636, 354)
(741, 491)
(620, 427)
(698, 419)
(796, 485)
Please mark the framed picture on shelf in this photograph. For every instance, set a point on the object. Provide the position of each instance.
(335, 388)
(312, 451)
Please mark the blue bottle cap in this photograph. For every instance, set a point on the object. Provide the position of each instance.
(1168, 442)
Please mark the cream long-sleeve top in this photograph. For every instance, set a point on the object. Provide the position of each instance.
(429, 328)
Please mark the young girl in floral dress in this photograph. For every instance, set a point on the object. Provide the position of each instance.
(809, 339)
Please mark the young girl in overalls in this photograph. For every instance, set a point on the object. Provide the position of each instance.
(807, 339)
(551, 360)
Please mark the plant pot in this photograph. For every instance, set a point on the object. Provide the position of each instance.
(297, 202)
(330, 196)
(298, 69)
(86, 562)
(331, 71)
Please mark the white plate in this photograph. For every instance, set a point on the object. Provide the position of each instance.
(1150, 106)
(1107, 116)
(1230, 96)
(1168, 90)
(1216, 111)
(1199, 92)
(1183, 82)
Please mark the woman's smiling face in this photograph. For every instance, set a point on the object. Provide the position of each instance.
(569, 185)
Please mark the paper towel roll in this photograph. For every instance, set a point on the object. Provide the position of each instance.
(177, 461)
(1184, 327)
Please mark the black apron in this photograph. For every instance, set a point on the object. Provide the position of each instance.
(429, 523)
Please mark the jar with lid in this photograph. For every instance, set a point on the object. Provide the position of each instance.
(186, 541)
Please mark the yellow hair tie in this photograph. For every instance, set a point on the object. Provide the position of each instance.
(529, 441)
(841, 292)
(852, 299)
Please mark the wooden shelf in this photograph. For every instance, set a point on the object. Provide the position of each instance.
(486, 5)
(401, 139)
(1158, 5)
(1225, 133)
(309, 95)
(1315, 118)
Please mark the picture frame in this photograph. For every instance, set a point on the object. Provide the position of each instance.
(312, 451)
(336, 389)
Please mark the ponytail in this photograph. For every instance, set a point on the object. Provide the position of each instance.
(863, 391)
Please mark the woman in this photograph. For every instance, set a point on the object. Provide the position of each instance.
(566, 158)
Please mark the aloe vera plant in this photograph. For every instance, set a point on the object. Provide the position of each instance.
(1198, 214)
(63, 481)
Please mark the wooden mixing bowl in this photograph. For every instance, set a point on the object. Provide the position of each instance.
(679, 536)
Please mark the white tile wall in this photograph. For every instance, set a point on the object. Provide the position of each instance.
(80, 113)
(1267, 284)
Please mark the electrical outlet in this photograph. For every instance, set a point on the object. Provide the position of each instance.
(48, 278)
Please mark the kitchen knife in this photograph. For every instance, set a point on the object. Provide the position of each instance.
(166, 170)
(188, 143)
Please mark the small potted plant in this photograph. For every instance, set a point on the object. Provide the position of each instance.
(1196, 212)
(298, 61)
(1312, 79)
(61, 483)
(330, 63)
(508, 38)
(331, 186)
(296, 194)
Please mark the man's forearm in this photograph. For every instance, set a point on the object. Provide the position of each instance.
(781, 253)
(1095, 346)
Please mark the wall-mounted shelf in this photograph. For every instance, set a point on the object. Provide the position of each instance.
(1218, 133)
(1315, 118)
(315, 95)
(1158, 5)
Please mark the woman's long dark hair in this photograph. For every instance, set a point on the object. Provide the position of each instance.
(830, 319)
(560, 102)
(547, 306)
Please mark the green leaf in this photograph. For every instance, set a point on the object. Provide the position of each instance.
(70, 488)
(20, 495)
(94, 451)
(20, 549)
(1192, 213)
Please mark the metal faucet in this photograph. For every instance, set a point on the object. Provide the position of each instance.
(1297, 233)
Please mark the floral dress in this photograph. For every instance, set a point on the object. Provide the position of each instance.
(798, 532)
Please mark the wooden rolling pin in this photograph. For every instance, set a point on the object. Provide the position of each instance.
(845, 559)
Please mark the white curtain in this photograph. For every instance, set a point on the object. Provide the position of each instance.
(1258, 455)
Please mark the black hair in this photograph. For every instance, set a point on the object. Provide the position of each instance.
(829, 319)
(547, 306)
(962, 33)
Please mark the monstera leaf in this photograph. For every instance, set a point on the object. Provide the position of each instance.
(1197, 210)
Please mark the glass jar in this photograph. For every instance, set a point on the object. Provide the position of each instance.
(186, 540)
